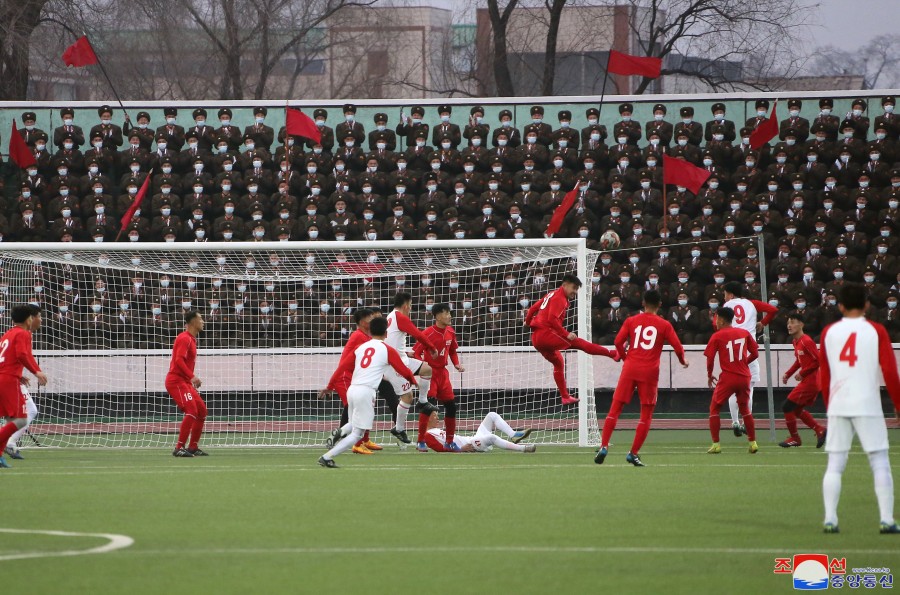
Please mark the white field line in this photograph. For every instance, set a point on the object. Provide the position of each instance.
(114, 542)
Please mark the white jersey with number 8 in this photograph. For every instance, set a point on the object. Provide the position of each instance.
(371, 363)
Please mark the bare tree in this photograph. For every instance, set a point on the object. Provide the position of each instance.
(762, 36)
(555, 8)
(499, 21)
(18, 19)
(875, 61)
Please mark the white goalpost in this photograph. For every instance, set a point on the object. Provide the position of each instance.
(277, 315)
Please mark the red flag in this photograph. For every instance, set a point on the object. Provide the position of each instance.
(561, 211)
(682, 173)
(765, 131)
(80, 53)
(18, 149)
(299, 124)
(138, 199)
(627, 65)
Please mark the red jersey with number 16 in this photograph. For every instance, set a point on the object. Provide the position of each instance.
(15, 353)
(645, 335)
(736, 348)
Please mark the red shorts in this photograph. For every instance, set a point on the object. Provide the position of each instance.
(547, 340)
(804, 393)
(186, 397)
(647, 390)
(341, 390)
(12, 399)
(731, 384)
(441, 389)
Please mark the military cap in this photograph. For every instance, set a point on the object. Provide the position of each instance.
(417, 110)
(320, 113)
(860, 102)
(103, 109)
(476, 110)
(349, 107)
(762, 104)
(717, 107)
(380, 117)
(564, 115)
(506, 113)
(198, 112)
(826, 102)
(659, 107)
(795, 103)
(26, 116)
(537, 110)
(143, 115)
(626, 107)
(170, 111)
(66, 111)
(260, 110)
(686, 111)
(888, 99)
(445, 108)
(592, 111)
(224, 112)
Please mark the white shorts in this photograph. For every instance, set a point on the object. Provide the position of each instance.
(361, 407)
(482, 441)
(871, 429)
(754, 370)
(399, 383)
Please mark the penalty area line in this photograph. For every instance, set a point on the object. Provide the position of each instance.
(114, 542)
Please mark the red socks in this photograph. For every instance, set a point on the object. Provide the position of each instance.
(643, 428)
(589, 347)
(750, 425)
(807, 418)
(423, 427)
(612, 418)
(450, 428)
(186, 424)
(196, 430)
(715, 424)
(6, 433)
(791, 420)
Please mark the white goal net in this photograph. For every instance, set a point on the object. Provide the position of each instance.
(277, 315)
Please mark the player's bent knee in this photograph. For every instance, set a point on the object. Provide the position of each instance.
(788, 406)
(425, 371)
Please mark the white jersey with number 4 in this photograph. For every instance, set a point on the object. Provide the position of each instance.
(744, 314)
(852, 351)
(371, 363)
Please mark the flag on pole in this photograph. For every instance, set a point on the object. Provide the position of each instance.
(682, 173)
(299, 124)
(561, 211)
(138, 199)
(80, 53)
(18, 149)
(628, 65)
(765, 131)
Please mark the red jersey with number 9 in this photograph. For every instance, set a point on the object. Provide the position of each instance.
(15, 353)
(646, 334)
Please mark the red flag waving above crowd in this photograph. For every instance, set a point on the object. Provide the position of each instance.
(561, 211)
(138, 199)
(682, 173)
(765, 131)
(627, 65)
(299, 124)
(18, 149)
(80, 53)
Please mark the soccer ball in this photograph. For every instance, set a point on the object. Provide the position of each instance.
(609, 240)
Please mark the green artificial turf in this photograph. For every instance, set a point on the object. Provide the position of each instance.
(272, 521)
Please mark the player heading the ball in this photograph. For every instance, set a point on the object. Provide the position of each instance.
(852, 350)
(371, 360)
(639, 343)
(549, 337)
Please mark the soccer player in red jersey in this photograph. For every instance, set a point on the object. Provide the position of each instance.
(443, 337)
(15, 354)
(340, 381)
(182, 384)
(645, 335)
(736, 349)
(549, 336)
(804, 394)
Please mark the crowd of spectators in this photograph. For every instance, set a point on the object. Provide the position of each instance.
(824, 198)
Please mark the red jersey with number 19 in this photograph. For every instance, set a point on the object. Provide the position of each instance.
(645, 334)
(15, 353)
(736, 349)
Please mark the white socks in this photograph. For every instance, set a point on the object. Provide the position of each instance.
(31, 412)
(424, 385)
(884, 484)
(831, 484)
(733, 408)
(507, 445)
(345, 444)
(402, 411)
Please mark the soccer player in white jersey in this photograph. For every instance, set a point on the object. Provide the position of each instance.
(399, 326)
(484, 439)
(746, 314)
(372, 359)
(851, 353)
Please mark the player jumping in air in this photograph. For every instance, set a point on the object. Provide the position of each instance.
(15, 345)
(12, 448)
(371, 360)
(484, 439)
(443, 337)
(736, 349)
(340, 384)
(182, 384)
(852, 351)
(746, 313)
(804, 394)
(645, 335)
(399, 326)
(549, 336)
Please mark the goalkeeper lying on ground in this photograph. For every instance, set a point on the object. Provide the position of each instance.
(484, 439)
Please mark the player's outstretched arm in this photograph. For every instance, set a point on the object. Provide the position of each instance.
(406, 325)
(675, 342)
(770, 311)
(790, 371)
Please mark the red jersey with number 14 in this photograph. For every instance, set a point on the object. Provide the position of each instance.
(736, 348)
(645, 335)
(15, 353)
(444, 340)
(549, 313)
(806, 359)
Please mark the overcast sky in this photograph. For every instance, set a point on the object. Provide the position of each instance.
(846, 24)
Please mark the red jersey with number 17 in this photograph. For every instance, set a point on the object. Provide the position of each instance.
(736, 348)
(15, 353)
(645, 334)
